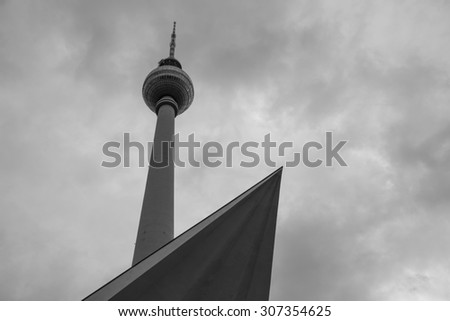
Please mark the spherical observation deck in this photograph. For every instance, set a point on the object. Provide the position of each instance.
(168, 80)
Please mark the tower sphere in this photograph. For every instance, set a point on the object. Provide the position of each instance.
(168, 80)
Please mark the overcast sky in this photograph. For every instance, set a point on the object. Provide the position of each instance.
(375, 73)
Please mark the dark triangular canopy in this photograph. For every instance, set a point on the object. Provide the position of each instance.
(227, 256)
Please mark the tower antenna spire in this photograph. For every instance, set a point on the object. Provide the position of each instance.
(172, 41)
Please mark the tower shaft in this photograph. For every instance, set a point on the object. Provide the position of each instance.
(156, 225)
(168, 91)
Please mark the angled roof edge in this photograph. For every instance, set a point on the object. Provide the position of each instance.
(107, 291)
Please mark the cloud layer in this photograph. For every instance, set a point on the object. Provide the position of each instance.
(374, 73)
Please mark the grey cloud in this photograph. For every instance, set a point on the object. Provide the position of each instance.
(71, 75)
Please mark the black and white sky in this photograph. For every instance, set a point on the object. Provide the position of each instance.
(375, 73)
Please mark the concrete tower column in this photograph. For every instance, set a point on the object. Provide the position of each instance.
(156, 225)
(168, 91)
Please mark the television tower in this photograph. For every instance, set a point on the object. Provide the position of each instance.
(168, 91)
(227, 255)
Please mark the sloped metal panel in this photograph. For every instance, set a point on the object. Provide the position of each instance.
(227, 256)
